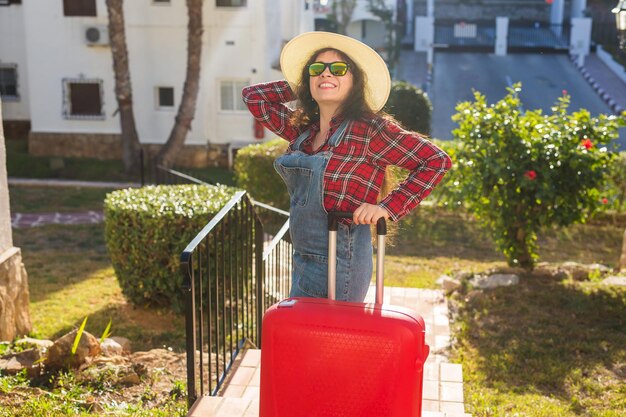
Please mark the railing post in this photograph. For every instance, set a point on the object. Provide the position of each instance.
(190, 326)
(260, 278)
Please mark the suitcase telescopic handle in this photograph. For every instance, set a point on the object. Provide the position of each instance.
(381, 232)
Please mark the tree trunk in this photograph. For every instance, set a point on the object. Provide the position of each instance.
(187, 107)
(123, 89)
(622, 259)
(523, 255)
(343, 16)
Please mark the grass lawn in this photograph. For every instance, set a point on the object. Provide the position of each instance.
(545, 348)
(549, 347)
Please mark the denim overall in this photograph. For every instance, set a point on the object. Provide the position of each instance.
(304, 176)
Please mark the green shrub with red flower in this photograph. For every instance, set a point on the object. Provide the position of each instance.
(519, 171)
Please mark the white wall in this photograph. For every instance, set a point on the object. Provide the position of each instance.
(238, 44)
(375, 32)
(13, 51)
(55, 50)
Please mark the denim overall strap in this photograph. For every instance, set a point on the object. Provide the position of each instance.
(334, 140)
(304, 176)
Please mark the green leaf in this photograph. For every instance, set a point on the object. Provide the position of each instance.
(79, 334)
(107, 331)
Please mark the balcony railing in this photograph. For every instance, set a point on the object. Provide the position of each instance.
(232, 273)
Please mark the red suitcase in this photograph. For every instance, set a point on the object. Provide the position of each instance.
(322, 357)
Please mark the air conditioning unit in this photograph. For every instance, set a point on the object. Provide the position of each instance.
(96, 35)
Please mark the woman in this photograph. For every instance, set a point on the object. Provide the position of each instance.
(340, 145)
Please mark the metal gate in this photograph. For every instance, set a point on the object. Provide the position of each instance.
(480, 36)
(535, 36)
(465, 35)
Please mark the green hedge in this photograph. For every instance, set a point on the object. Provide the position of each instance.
(147, 229)
(255, 173)
(410, 106)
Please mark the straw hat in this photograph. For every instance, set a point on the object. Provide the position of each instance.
(297, 51)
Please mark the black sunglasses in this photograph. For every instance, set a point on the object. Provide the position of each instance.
(337, 68)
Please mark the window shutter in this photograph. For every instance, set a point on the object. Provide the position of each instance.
(85, 99)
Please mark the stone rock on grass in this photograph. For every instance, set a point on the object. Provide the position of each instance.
(615, 280)
(124, 343)
(448, 284)
(60, 353)
(15, 362)
(110, 347)
(494, 281)
(581, 272)
(38, 343)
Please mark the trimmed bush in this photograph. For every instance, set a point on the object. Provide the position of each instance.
(146, 230)
(614, 194)
(255, 173)
(522, 171)
(410, 106)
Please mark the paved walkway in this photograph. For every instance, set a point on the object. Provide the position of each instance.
(443, 381)
(24, 220)
(608, 85)
(34, 182)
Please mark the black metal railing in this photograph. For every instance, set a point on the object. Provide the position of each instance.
(231, 275)
(604, 32)
(151, 173)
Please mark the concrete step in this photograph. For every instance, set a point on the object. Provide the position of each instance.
(244, 407)
(224, 407)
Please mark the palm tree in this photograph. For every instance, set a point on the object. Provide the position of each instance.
(187, 107)
(123, 90)
(342, 14)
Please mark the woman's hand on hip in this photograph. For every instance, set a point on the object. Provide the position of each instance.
(369, 214)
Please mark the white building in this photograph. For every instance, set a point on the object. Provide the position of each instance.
(58, 53)
(364, 25)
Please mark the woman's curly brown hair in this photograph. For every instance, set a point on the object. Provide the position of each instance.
(355, 107)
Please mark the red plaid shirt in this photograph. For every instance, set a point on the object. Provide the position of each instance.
(356, 169)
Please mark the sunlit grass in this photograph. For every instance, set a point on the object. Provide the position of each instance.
(70, 277)
(545, 348)
(60, 199)
(421, 272)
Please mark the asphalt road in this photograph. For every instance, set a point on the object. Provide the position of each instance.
(543, 78)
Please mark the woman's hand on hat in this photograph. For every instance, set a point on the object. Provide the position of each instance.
(369, 214)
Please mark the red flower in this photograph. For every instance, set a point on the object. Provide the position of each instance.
(587, 143)
(605, 200)
(564, 92)
(531, 175)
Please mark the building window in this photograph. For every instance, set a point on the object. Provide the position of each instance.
(83, 99)
(8, 82)
(230, 95)
(165, 97)
(79, 8)
(231, 3)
